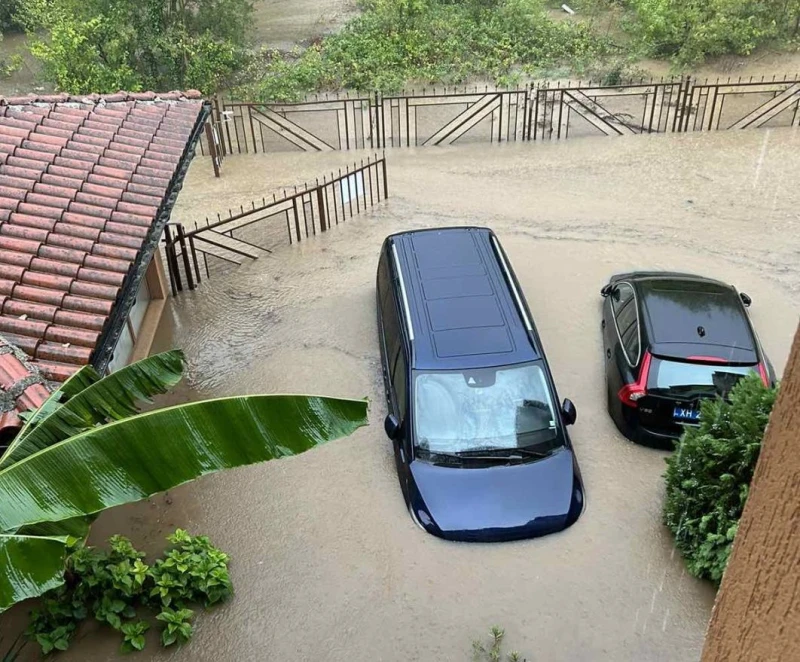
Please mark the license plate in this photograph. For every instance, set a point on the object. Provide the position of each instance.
(686, 414)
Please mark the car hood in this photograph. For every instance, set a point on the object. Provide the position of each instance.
(499, 502)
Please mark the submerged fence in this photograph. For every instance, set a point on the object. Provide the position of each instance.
(251, 232)
(537, 112)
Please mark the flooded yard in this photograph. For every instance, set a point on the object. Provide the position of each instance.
(326, 562)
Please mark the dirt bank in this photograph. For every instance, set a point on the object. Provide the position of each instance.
(326, 561)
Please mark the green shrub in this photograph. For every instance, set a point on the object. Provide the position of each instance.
(397, 42)
(690, 30)
(108, 45)
(708, 477)
(8, 16)
(114, 586)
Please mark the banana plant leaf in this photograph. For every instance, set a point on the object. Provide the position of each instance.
(29, 566)
(131, 459)
(75, 527)
(140, 456)
(91, 401)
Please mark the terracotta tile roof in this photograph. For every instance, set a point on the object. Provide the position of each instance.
(22, 388)
(83, 180)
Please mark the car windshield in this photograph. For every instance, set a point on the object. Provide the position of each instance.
(485, 409)
(687, 378)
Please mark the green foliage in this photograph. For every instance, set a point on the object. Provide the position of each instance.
(690, 30)
(708, 477)
(395, 42)
(107, 45)
(114, 585)
(8, 16)
(494, 652)
(133, 636)
(92, 448)
(177, 628)
(193, 571)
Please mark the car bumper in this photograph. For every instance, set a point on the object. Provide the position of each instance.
(630, 426)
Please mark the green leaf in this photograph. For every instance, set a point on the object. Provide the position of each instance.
(29, 566)
(113, 398)
(140, 456)
(75, 527)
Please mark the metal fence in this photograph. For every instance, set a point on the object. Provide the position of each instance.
(251, 232)
(537, 112)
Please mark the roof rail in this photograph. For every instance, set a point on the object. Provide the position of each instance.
(512, 284)
(403, 292)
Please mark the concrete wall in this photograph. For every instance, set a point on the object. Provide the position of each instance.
(757, 612)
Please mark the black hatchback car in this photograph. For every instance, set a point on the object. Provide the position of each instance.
(480, 442)
(670, 340)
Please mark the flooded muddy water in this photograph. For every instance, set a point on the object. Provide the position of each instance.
(326, 561)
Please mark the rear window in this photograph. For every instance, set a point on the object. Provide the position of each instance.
(687, 378)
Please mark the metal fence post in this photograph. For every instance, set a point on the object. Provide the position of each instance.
(194, 258)
(185, 253)
(172, 263)
(323, 225)
(296, 219)
(212, 149)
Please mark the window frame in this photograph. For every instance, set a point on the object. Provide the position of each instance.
(615, 312)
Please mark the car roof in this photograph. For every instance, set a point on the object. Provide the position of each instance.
(462, 312)
(685, 314)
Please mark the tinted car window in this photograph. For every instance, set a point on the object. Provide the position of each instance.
(400, 384)
(622, 294)
(384, 279)
(630, 341)
(626, 317)
(391, 330)
(692, 378)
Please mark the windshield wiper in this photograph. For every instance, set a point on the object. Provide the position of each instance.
(501, 453)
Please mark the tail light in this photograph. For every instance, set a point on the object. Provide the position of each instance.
(630, 394)
(762, 370)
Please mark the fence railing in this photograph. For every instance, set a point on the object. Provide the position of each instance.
(536, 112)
(249, 233)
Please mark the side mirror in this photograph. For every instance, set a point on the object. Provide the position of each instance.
(392, 426)
(746, 300)
(569, 413)
(607, 289)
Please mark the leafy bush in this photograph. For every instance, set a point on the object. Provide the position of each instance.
(107, 45)
(708, 477)
(8, 15)
(395, 42)
(112, 586)
(690, 30)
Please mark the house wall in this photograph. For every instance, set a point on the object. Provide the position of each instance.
(137, 337)
(757, 612)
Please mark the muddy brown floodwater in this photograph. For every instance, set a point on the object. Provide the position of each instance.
(326, 562)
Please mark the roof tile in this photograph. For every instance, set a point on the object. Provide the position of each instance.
(82, 180)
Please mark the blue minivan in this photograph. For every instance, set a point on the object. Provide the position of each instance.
(480, 441)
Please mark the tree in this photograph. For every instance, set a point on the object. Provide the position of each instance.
(88, 449)
(107, 45)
